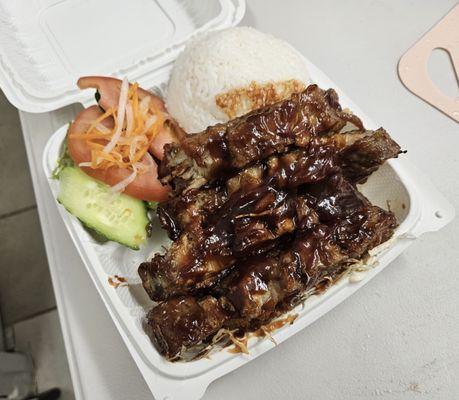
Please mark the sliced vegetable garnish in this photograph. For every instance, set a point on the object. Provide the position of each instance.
(115, 142)
(111, 216)
(134, 129)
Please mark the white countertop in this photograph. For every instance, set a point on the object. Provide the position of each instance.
(397, 337)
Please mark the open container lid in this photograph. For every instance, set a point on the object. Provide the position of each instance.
(47, 45)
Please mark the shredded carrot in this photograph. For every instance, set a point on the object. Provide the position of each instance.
(87, 136)
(95, 146)
(132, 144)
(104, 116)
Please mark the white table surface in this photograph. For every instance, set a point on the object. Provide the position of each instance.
(398, 337)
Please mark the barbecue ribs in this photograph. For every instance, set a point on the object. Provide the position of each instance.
(264, 209)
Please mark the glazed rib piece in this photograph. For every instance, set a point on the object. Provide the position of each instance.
(184, 268)
(258, 233)
(334, 198)
(184, 322)
(363, 157)
(356, 153)
(224, 148)
(189, 210)
(263, 287)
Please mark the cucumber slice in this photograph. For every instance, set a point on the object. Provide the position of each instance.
(118, 217)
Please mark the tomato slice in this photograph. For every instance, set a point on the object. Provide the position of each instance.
(170, 132)
(145, 186)
(109, 90)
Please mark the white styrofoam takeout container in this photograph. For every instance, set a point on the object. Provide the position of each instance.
(43, 52)
(418, 206)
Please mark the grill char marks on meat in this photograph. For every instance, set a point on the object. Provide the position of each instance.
(224, 148)
(184, 322)
(265, 209)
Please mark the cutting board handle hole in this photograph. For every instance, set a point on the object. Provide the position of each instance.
(448, 79)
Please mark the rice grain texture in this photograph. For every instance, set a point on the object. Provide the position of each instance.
(224, 74)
